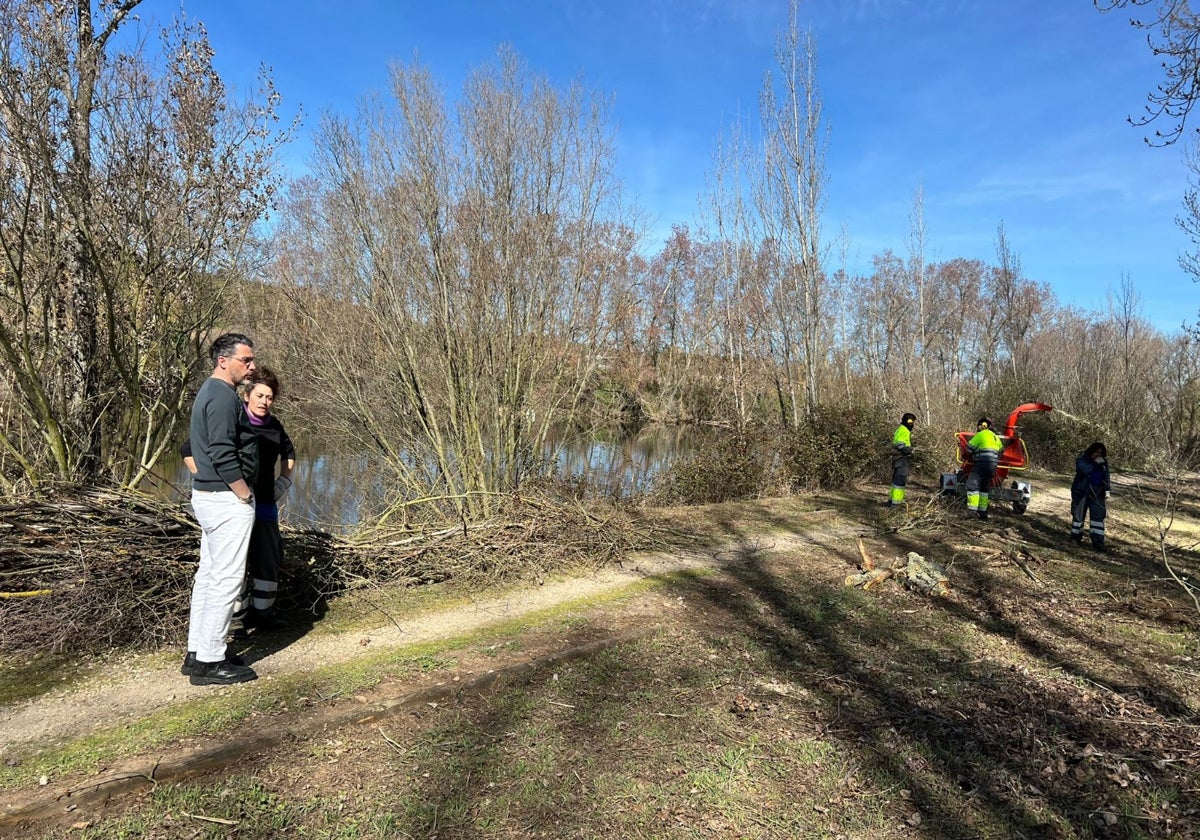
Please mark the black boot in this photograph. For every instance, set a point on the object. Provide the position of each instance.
(220, 673)
(189, 662)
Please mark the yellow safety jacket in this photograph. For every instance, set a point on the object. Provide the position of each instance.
(985, 446)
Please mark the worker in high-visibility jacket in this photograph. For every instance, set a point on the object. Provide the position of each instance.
(985, 448)
(901, 459)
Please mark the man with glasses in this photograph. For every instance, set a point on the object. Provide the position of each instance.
(225, 449)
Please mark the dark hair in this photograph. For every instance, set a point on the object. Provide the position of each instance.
(983, 420)
(909, 416)
(263, 376)
(1094, 448)
(226, 344)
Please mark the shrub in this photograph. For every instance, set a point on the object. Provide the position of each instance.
(723, 467)
(1053, 441)
(835, 447)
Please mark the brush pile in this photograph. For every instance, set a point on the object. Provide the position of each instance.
(914, 571)
(94, 569)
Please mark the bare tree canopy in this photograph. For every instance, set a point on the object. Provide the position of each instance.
(452, 273)
(1173, 33)
(129, 185)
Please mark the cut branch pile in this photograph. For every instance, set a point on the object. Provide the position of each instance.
(914, 571)
(89, 569)
(107, 568)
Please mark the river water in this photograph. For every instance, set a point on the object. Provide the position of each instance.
(335, 491)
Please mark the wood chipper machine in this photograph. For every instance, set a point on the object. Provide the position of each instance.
(1013, 458)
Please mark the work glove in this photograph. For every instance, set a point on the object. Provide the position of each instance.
(282, 485)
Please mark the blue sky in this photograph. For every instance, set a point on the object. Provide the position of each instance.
(1008, 111)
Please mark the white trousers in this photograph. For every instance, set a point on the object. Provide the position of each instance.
(225, 525)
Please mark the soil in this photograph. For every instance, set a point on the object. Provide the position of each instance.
(123, 691)
(120, 691)
(821, 543)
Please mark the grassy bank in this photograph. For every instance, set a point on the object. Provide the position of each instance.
(1051, 693)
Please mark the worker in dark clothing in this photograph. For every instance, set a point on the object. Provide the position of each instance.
(984, 448)
(901, 459)
(1088, 491)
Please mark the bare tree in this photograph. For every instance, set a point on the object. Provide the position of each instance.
(917, 241)
(1176, 400)
(726, 208)
(884, 318)
(1189, 221)
(790, 200)
(468, 261)
(1173, 35)
(126, 192)
(1139, 353)
(1015, 304)
(959, 339)
(840, 291)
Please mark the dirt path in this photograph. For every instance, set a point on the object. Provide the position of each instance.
(136, 690)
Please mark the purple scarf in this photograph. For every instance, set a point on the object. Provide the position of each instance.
(254, 421)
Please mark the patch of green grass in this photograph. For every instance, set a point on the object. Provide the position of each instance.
(367, 609)
(249, 809)
(221, 712)
(1167, 644)
(33, 677)
(502, 647)
(364, 609)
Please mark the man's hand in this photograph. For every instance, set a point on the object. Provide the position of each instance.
(282, 485)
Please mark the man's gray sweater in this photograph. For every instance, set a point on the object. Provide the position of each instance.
(224, 445)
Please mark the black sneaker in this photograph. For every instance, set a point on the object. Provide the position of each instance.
(1077, 539)
(220, 673)
(189, 662)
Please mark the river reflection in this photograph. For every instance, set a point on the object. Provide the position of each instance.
(336, 491)
(626, 463)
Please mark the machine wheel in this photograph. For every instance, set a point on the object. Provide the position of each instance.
(1020, 507)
